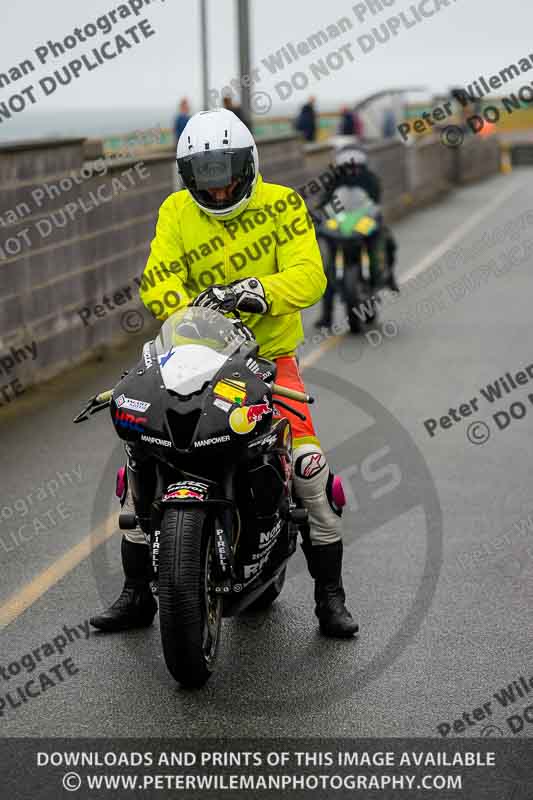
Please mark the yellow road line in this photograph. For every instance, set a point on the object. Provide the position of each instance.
(27, 596)
(315, 355)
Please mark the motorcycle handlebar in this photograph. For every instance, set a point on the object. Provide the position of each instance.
(103, 399)
(282, 391)
(97, 403)
(291, 394)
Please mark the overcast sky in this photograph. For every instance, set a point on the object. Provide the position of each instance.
(466, 39)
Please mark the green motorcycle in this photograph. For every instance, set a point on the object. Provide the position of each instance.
(348, 232)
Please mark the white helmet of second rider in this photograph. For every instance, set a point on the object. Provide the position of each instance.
(351, 155)
(216, 150)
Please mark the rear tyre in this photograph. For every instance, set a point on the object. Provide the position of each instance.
(352, 299)
(372, 317)
(265, 600)
(190, 612)
(356, 326)
(357, 296)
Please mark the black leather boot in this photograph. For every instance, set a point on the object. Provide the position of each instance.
(392, 284)
(326, 318)
(136, 606)
(325, 566)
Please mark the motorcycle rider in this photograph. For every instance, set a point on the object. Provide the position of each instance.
(259, 256)
(353, 171)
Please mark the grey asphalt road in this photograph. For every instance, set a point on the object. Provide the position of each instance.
(438, 541)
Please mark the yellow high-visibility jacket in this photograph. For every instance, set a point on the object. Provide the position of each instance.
(273, 239)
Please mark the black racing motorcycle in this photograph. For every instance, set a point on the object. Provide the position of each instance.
(224, 523)
(349, 230)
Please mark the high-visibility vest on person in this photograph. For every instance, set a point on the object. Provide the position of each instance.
(272, 239)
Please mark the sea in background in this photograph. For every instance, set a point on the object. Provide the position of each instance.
(35, 123)
(92, 123)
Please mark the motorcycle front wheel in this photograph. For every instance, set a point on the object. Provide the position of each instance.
(189, 610)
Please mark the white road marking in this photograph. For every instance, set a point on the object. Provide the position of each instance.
(459, 233)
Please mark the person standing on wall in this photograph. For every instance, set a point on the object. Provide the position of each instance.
(184, 115)
(306, 121)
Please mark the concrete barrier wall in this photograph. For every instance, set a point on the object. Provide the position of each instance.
(389, 162)
(319, 156)
(430, 171)
(82, 242)
(75, 232)
(477, 158)
(282, 160)
(521, 155)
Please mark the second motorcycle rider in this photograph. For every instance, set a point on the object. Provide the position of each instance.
(229, 239)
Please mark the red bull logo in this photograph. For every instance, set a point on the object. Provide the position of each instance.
(178, 494)
(257, 412)
(244, 419)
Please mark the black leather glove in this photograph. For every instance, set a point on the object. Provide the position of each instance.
(241, 328)
(217, 297)
(250, 294)
(246, 295)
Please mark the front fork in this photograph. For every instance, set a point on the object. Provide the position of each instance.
(225, 577)
(224, 565)
(223, 517)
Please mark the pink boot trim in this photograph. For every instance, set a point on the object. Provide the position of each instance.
(120, 488)
(337, 492)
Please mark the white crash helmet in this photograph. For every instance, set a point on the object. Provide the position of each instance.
(215, 149)
(351, 155)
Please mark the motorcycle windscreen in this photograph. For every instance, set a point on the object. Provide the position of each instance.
(351, 198)
(358, 214)
(192, 346)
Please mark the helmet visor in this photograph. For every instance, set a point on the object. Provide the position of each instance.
(216, 169)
